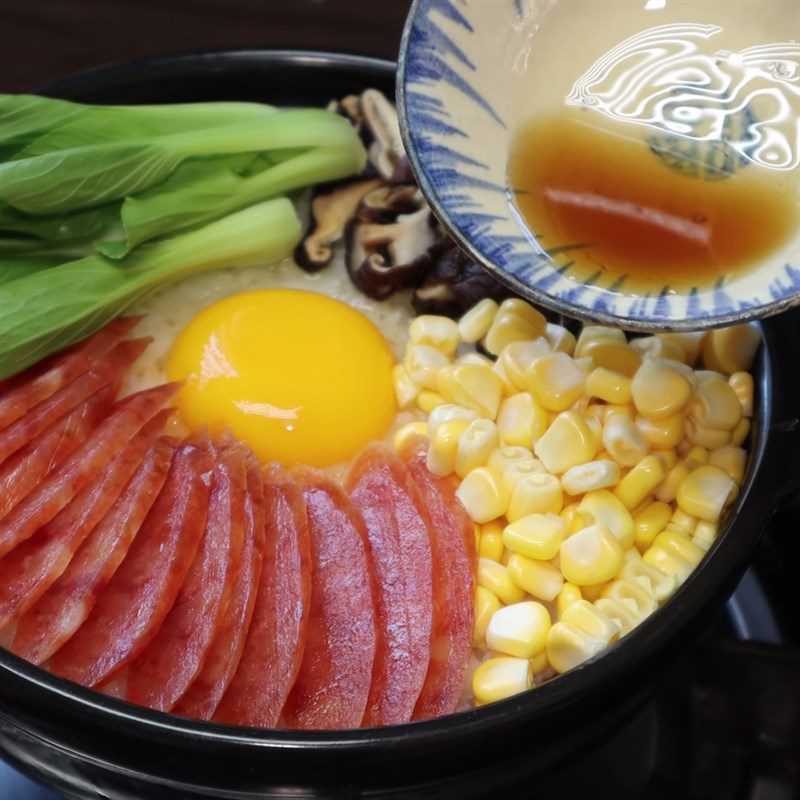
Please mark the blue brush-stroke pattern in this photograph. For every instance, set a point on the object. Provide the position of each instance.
(438, 141)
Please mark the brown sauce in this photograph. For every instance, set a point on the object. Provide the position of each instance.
(643, 210)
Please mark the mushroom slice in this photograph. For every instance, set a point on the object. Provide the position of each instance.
(385, 151)
(332, 206)
(387, 202)
(384, 258)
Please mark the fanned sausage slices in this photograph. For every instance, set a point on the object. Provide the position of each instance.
(399, 534)
(130, 611)
(333, 684)
(169, 664)
(275, 642)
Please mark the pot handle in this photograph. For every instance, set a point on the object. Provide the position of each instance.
(782, 333)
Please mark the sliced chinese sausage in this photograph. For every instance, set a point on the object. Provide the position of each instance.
(203, 696)
(32, 567)
(399, 534)
(22, 472)
(169, 664)
(61, 610)
(129, 612)
(82, 466)
(274, 647)
(333, 683)
(29, 388)
(108, 372)
(454, 571)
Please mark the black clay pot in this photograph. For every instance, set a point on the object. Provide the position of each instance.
(87, 745)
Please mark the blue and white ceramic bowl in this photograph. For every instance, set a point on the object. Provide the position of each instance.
(472, 72)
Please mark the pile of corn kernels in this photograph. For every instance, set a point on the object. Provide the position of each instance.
(596, 471)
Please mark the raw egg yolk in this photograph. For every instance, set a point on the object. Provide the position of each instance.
(298, 376)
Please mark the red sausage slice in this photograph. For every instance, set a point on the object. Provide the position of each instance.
(130, 611)
(23, 471)
(454, 571)
(82, 466)
(380, 485)
(276, 639)
(332, 686)
(110, 371)
(62, 609)
(31, 387)
(30, 569)
(204, 695)
(169, 664)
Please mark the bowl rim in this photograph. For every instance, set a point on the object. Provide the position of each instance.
(725, 559)
(568, 308)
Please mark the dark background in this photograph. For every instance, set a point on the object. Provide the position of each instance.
(42, 41)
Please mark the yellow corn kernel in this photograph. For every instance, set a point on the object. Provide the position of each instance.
(706, 492)
(690, 342)
(555, 381)
(497, 579)
(708, 438)
(559, 338)
(428, 400)
(572, 519)
(657, 583)
(593, 591)
(591, 333)
(658, 347)
(439, 332)
(540, 664)
(521, 420)
(485, 604)
(521, 470)
(705, 534)
(612, 355)
(740, 432)
(475, 444)
(715, 405)
(659, 389)
(442, 450)
(509, 326)
(405, 389)
(669, 458)
(606, 508)
(674, 553)
(632, 553)
(482, 495)
(624, 614)
(519, 629)
(568, 646)
(569, 594)
(517, 358)
(684, 521)
(663, 434)
(491, 541)
(640, 481)
(508, 387)
(627, 603)
(446, 412)
(613, 387)
(610, 409)
(538, 578)
(667, 490)
(405, 435)
(696, 457)
(535, 493)
(473, 387)
(537, 536)
(586, 617)
(590, 556)
(568, 441)
(731, 349)
(423, 362)
(624, 441)
(503, 457)
(596, 428)
(475, 358)
(501, 677)
(590, 476)
(475, 323)
(732, 459)
(744, 388)
(516, 305)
